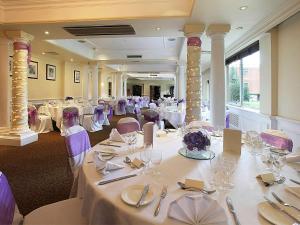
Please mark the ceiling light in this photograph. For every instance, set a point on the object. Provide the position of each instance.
(157, 28)
(71, 59)
(81, 41)
(239, 28)
(43, 53)
(244, 7)
(47, 32)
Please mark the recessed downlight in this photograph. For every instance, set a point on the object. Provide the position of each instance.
(72, 60)
(244, 7)
(47, 32)
(43, 53)
(157, 28)
(171, 39)
(81, 41)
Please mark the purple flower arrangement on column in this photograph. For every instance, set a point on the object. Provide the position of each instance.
(196, 141)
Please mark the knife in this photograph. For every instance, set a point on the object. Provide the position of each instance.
(231, 209)
(294, 181)
(143, 195)
(116, 179)
(281, 210)
(110, 145)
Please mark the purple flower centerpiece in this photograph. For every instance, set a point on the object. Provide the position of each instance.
(196, 141)
(195, 145)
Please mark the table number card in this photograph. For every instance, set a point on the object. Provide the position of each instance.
(148, 133)
(232, 141)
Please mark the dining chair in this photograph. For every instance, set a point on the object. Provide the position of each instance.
(70, 119)
(67, 212)
(151, 115)
(38, 121)
(78, 145)
(120, 108)
(127, 125)
(93, 122)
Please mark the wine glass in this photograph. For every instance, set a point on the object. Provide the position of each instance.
(145, 156)
(279, 162)
(156, 158)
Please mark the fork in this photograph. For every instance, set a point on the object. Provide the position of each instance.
(163, 194)
(283, 202)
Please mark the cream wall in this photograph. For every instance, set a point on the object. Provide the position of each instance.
(71, 88)
(46, 89)
(289, 68)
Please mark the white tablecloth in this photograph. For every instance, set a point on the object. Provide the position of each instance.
(174, 117)
(103, 204)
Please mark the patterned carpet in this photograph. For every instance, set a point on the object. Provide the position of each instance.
(39, 173)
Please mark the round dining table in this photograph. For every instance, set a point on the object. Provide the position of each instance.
(102, 204)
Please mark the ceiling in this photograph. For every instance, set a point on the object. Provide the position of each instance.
(158, 53)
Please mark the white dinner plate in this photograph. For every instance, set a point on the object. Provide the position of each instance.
(275, 216)
(132, 194)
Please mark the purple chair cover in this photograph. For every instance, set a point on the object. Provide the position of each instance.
(7, 202)
(77, 143)
(137, 110)
(151, 116)
(122, 105)
(128, 127)
(276, 141)
(227, 120)
(98, 113)
(32, 115)
(110, 112)
(70, 116)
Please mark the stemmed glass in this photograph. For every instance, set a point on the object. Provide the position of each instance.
(156, 158)
(278, 162)
(145, 156)
(131, 140)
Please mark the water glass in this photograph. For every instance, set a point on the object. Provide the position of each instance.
(145, 156)
(156, 158)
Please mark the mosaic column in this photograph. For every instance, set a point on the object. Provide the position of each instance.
(193, 81)
(124, 78)
(21, 58)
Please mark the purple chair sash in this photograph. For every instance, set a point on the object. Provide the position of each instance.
(137, 110)
(7, 202)
(32, 116)
(98, 113)
(110, 112)
(77, 143)
(121, 105)
(124, 128)
(70, 116)
(276, 141)
(227, 120)
(151, 116)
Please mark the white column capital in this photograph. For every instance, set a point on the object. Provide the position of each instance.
(217, 30)
(193, 30)
(18, 35)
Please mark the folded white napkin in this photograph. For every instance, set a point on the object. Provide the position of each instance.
(105, 166)
(197, 210)
(116, 136)
(293, 158)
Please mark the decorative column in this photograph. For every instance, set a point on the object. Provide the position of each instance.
(95, 83)
(217, 80)
(176, 84)
(4, 86)
(119, 88)
(181, 81)
(85, 79)
(193, 81)
(19, 133)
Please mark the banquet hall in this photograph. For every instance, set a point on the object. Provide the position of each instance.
(129, 112)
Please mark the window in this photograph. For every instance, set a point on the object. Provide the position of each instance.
(243, 78)
(109, 88)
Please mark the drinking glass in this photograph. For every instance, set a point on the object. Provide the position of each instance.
(145, 156)
(278, 163)
(156, 158)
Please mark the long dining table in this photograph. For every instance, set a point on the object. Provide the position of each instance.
(102, 204)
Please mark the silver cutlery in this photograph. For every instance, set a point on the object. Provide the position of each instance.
(163, 194)
(116, 179)
(128, 161)
(294, 181)
(184, 187)
(118, 146)
(281, 210)
(283, 202)
(143, 195)
(280, 181)
(232, 210)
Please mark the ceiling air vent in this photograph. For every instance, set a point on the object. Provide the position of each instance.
(134, 56)
(153, 75)
(101, 30)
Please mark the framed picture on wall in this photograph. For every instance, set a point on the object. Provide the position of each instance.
(33, 69)
(10, 65)
(76, 76)
(50, 72)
